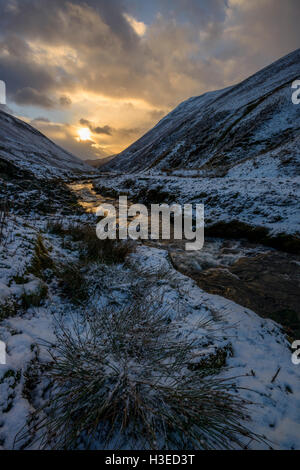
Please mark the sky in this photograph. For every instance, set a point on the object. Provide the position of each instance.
(95, 75)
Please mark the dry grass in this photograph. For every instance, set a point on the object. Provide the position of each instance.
(90, 247)
(72, 282)
(123, 379)
(4, 213)
(41, 260)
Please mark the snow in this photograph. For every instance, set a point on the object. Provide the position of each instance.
(260, 191)
(259, 347)
(212, 133)
(23, 145)
(265, 201)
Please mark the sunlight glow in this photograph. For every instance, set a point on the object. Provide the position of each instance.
(84, 133)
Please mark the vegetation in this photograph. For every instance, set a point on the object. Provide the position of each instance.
(8, 309)
(4, 211)
(41, 260)
(123, 378)
(90, 247)
(72, 282)
(35, 298)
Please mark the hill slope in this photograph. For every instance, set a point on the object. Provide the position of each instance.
(29, 149)
(244, 128)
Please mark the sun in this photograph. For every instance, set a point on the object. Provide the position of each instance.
(84, 133)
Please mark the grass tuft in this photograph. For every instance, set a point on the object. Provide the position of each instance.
(72, 282)
(122, 379)
(90, 247)
(41, 260)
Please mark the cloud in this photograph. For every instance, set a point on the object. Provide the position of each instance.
(65, 135)
(107, 130)
(138, 26)
(101, 48)
(65, 101)
(157, 114)
(103, 130)
(30, 96)
(39, 120)
(92, 57)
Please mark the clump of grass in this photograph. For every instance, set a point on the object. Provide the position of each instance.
(8, 309)
(122, 379)
(56, 227)
(94, 249)
(72, 282)
(90, 247)
(34, 299)
(4, 212)
(41, 260)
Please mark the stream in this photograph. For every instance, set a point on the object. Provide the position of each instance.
(262, 279)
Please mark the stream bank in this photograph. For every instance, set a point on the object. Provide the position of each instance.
(253, 275)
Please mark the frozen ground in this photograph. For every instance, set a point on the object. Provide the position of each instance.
(262, 201)
(257, 348)
(24, 146)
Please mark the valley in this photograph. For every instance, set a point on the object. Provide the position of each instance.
(126, 344)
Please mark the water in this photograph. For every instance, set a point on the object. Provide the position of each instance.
(260, 278)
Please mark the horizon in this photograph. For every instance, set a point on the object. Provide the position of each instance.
(134, 63)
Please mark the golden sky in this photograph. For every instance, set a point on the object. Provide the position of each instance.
(95, 75)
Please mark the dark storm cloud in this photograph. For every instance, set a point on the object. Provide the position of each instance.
(103, 130)
(110, 131)
(65, 101)
(106, 130)
(18, 69)
(47, 19)
(63, 54)
(194, 45)
(29, 96)
(195, 11)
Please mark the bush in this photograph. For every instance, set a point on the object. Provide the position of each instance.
(121, 379)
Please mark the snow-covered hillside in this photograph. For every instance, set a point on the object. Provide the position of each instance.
(224, 335)
(245, 129)
(28, 149)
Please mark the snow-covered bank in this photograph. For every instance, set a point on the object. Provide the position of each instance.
(267, 202)
(252, 348)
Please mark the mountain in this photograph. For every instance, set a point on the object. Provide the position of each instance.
(98, 162)
(251, 127)
(29, 149)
